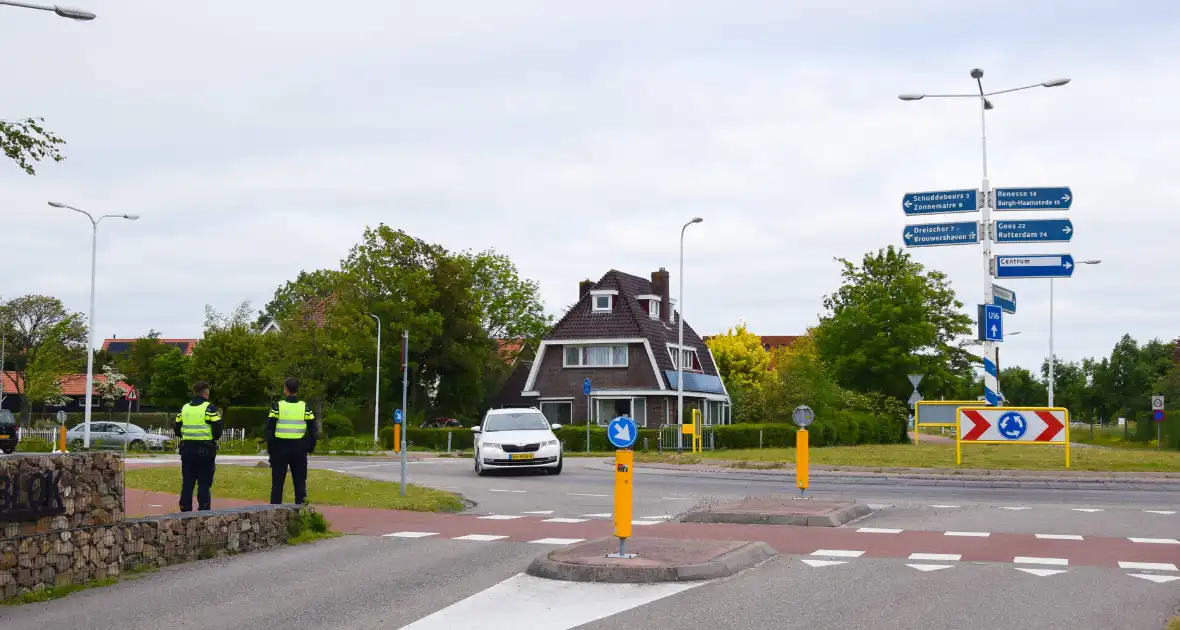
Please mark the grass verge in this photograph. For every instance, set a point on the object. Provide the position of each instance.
(324, 487)
(58, 592)
(996, 457)
(309, 527)
(1174, 624)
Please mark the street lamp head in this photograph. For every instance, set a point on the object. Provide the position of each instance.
(1089, 262)
(987, 104)
(1055, 83)
(73, 14)
(911, 97)
(131, 217)
(977, 73)
(696, 220)
(58, 204)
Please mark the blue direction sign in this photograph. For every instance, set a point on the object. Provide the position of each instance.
(1004, 298)
(1035, 231)
(991, 323)
(936, 234)
(1035, 266)
(940, 202)
(622, 432)
(586, 387)
(398, 416)
(1040, 198)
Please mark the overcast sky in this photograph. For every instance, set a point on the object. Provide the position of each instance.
(259, 138)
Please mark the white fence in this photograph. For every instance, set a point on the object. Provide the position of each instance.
(51, 435)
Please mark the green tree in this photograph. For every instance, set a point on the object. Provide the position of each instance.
(296, 294)
(44, 342)
(26, 141)
(321, 356)
(171, 379)
(892, 317)
(231, 357)
(107, 388)
(137, 363)
(1021, 389)
(741, 359)
(510, 307)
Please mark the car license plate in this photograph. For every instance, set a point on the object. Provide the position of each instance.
(521, 456)
(5, 437)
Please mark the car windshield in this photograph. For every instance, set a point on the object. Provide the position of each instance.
(522, 421)
(6, 417)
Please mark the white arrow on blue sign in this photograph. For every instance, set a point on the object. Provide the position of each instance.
(1004, 298)
(398, 416)
(1036, 266)
(622, 432)
(991, 322)
(939, 234)
(940, 202)
(1034, 231)
(586, 387)
(1039, 198)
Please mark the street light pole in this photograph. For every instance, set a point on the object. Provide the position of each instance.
(90, 317)
(377, 392)
(680, 349)
(1052, 355)
(991, 376)
(66, 12)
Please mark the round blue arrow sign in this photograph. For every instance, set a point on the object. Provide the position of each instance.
(398, 417)
(622, 432)
(586, 387)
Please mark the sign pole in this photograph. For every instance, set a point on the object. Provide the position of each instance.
(1157, 415)
(622, 432)
(802, 416)
(405, 386)
(587, 387)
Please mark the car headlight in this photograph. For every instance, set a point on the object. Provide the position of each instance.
(550, 443)
(490, 445)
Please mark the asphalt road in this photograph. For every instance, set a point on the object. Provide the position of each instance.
(368, 582)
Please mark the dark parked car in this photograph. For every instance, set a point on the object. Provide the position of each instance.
(9, 432)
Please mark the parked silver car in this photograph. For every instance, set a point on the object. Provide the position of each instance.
(112, 435)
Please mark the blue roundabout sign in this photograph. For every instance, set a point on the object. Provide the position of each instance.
(1012, 426)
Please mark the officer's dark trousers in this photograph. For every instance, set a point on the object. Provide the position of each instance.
(196, 468)
(280, 462)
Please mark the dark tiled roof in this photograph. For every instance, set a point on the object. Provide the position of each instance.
(629, 319)
(120, 346)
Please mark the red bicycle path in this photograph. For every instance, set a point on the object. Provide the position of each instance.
(995, 547)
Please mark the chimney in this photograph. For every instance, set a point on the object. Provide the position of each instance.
(660, 286)
(584, 288)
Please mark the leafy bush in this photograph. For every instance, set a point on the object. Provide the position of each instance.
(573, 438)
(252, 419)
(33, 445)
(346, 445)
(337, 425)
(249, 446)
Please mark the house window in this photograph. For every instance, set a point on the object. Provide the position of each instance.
(558, 411)
(607, 409)
(653, 309)
(603, 300)
(595, 356)
(690, 360)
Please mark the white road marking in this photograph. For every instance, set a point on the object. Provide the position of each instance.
(599, 515)
(1091, 510)
(541, 512)
(1158, 579)
(1148, 566)
(944, 557)
(838, 553)
(1014, 508)
(656, 518)
(557, 541)
(479, 537)
(1060, 562)
(565, 520)
(645, 522)
(1156, 541)
(1164, 512)
(502, 490)
(1059, 537)
(929, 567)
(1041, 572)
(677, 498)
(154, 505)
(545, 604)
(500, 517)
(944, 506)
(576, 494)
(879, 506)
(822, 563)
(879, 530)
(411, 534)
(969, 534)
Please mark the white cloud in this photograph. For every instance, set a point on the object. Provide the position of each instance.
(259, 139)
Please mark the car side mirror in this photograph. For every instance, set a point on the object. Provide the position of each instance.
(475, 429)
(555, 426)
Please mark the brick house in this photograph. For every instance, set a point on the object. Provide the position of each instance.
(622, 335)
(72, 385)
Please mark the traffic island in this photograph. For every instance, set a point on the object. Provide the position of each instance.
(780, 511)
(657, 560)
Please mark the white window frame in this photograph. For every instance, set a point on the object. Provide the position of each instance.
(609, 294)
(565, 356)
(696, 356)
(635, 400)
(557, 401)
(653, 304)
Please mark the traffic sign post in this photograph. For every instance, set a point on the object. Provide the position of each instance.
(586, 389)
(60, 442)
(939, 234)
(802, 416)
(1034, 266)
(398, 418)
(1157, 414)
(1039, 198)
(991, 323)
(622, 433)
(1011, 425)
(1004, 298)
(1035, 231)
(940, 202)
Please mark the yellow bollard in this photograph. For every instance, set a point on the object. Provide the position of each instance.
(624, 461)
(397, 439)
(801, 460)
(62, 438)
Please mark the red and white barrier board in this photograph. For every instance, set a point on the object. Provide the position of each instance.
(1004, 425)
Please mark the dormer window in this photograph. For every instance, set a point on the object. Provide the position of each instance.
(653, 304)
(603, 300)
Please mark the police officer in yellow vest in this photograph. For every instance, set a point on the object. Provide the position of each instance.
(199, 426)
(291, 434)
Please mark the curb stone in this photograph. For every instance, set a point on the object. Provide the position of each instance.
(747, 556)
